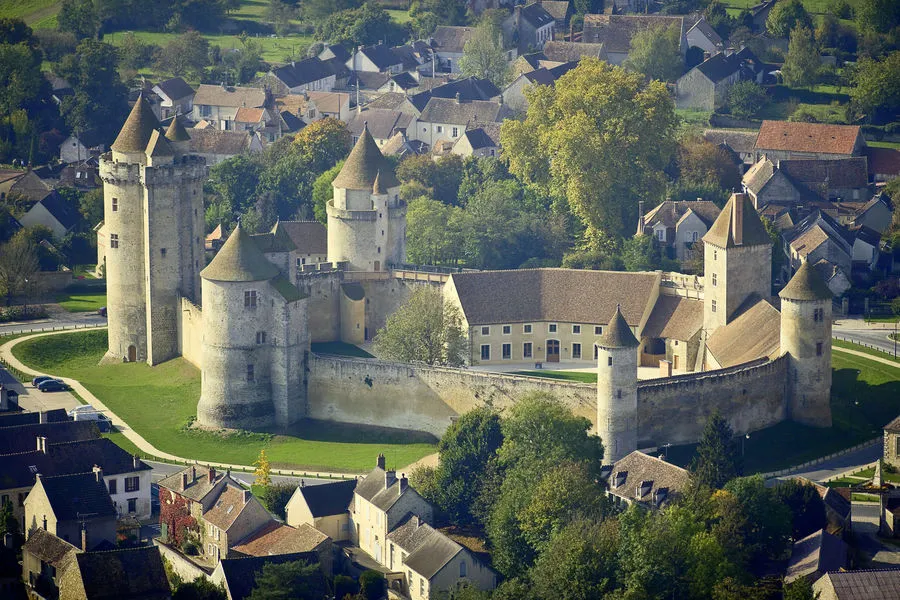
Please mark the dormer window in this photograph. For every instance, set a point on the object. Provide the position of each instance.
(644, 488)
(619, 479)
(660, 495)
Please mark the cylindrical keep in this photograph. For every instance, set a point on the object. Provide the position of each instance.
(617, 401)
(806, 338)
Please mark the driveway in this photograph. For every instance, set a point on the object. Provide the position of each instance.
(32, 399)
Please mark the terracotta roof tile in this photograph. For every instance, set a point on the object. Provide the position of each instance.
(278, 538)
(807, 137)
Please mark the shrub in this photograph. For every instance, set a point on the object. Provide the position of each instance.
(371, 584)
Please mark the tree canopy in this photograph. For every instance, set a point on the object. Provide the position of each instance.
(484, 57)
(656, 53)
(786, 16)
(716, 461)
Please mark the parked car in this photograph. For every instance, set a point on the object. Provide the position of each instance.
(87, 412)
(37, 380)
(101, 311)
(53, 385)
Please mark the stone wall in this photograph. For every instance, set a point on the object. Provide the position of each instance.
(674, 410)
(324, 290)
(190, 333)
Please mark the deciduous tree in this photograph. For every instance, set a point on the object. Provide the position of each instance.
(656, 53)
(187, 56)
(18, 263)
(484, 57)
(801, 65)
(876, 91)
(580, 563)
(262, 469)
(786, 16)
(289, 581)
(746, 99)
(323, 192)
(323, 143)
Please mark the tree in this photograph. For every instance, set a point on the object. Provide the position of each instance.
(424, 329)
(290, 581)
(580, 563)
(801, 65)
(200, 589)
(876, 90)
(364, 26)
(135, 54)
(800, 589)
(466, 448)
(484, 57)
(187, 55)
(372, 585)
(79, 18)
(806, 506)
(767, 531)
(276, 497)
(787, 16)
(881, 16)
(701, 162)
(656, 53)
(746, 99)
(641, 253)
(600, 139)
(21, 81)
(8, 521)
(262, 469)
(323, 192)
(18, 263)
(779, 259)
(235, 181)
(431, 238)
(719, 19)
(716, 461)
(322, 143)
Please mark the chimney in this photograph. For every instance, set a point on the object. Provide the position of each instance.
(98, 473)
(84, 545)
(43, 417)
(137, 462)
(415, 520)
(706, 56)
(404, 483)
(665, 368)
(389, 478)
(211, 474)
(184, 481)
(457, 97)
(42, 444)
(737, 220)
(379, 462)
(640, 217)
(247, 495)
(194, 473)
(293, 64)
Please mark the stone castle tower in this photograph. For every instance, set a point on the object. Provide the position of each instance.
(366, 218)
(737, 262)
(153, 213)
(617, 375)
(806, 340)
(255, 338)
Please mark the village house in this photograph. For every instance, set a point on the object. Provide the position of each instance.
(20, 430)
(785, 140)
(43, 557)
(561, 11)
(277, 538)
(52, 212)
(400, 145)
(701, 35)
(741, 145)
(825, 244)
(446, 119)
(791, 182)
(529, 27)
(816, 554)
(80, 146)
(219, 104)
(876, 214)
(382, 124)
(380, 58)
(310, 241)
(646, 480)
(561, 51)
(884, 163)
(481, 141)
(678, 225)
(215, 145)
(514, 94)
(311, 74)
(176, 97)
(857, 585)
(76, 508)
(324, 506)
(448, 43)
(615, 32)
(891, 453)
(705, 87)
(25, 184)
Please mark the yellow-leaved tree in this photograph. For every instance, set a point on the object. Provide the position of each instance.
(262, 469)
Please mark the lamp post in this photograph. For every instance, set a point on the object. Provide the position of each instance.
(744, 439)
(666, 446)
(25, 310)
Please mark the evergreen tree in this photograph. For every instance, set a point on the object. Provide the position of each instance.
(801, 65)
(717, 461)
(296, 580)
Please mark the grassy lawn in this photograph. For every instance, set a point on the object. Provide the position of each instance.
(864, 396)
(277, 50)
(81, 302)
(85, 272)
(399, 16)
(576, 376)
(875, 144)
(339, 348)
(858, 348)
(32, 12)
(159, 402)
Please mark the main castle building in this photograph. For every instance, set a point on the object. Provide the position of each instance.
(247, 319)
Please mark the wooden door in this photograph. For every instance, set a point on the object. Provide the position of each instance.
(132, 354)
(552, 351)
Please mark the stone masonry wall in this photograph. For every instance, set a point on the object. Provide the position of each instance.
(190, 332)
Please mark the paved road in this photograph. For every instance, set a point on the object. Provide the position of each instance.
(162, 470)
(856, 330)
(842, 464)
(865, 528)
(59, 320)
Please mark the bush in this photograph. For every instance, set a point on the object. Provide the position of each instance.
(840, 9)
(746, 99)
(18, 313)
(344, 586)
(372, 584)
(276, 497)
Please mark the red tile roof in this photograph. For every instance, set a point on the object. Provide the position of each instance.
(807, 137)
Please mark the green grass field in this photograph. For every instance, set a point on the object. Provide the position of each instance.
(81, 302)
(576, 376)
(817, 8)
(858, 348)
(160, 401)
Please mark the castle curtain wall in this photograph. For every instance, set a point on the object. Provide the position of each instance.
(190, 333)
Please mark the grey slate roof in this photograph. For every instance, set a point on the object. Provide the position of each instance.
(707, 30)
(382, 56)
(309, 237)
(329, 498)
(276, 240)
(806, 284)
(78, 494)
(23, 438)
(615, 31)
(447, 38)
(739, 141)
(175, 88)
(617, 334)
(404, 81)
(388, 101)
(445, 110)
(372, 489)
(198, 487)
(555, 295)
(483, 137)
(719, 66)
(239, 259)
(302, 72)
(382, 123)
(536, 15)
(429, 549)
(47, 547)
(215, 141)
(818, 552)
(123, 573)
(669, 212)
(367, 80)
(861, 585)
(32, 418)
(469, 88)
(638, 467)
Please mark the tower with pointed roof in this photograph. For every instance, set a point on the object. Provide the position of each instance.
(153, 217)
(617, 375)
(366, 218)
(806, 341)
(737, 259)
(255, 337)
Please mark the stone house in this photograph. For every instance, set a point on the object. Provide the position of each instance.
(615, 32)
(219, 104)
(741, 145)
(52, 212)
(127, 478)
(81, 146)
(448, 42)
(380, 58)
(325, 507)
(884, 163)
(561, 11)
(277, 538)
(892, 443)
(382, 124)
(646, 480)
(479, 141)
(215, 145)
(816, 554)
(381, 501)
(176, 97)
(702, 35)
(805, 181)
(311, 74)
(76, 508)
(678, 225)
(529, 27)
(853, 585)
(838, 508)
(431, 563)
(876, 214)
(866, 248)
(310, 239)
(561, 51)
(445, 119)
(819, 237)
(234, 514)
(514, 94)
(43, 557)
(785, 140)
(120, 573)
(705, 87)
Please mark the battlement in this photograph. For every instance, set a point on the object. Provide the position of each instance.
(752, 368)
(122, 173)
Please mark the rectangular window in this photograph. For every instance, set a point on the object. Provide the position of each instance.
(250, 299)
(526, 328)
(507, 329)
(818, 348)
(485, 331)
(661, 235)
(576, 329)
(455, 131)
(819, 315)
(715, 280)
(113, 485)
(463, 569)
(713, 307)
(609, 361)
(507, 351)
(132, 484)
(526, 350)
(598, 330)
(576, 350)
(250, 374)
(132, 505)
(440, 129)
(485, 352)
(897, 446)
(115, 205)
(114, 240)
(162, 251)
(260, 337)
(551, 328)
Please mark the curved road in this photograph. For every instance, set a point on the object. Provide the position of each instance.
(872, 334)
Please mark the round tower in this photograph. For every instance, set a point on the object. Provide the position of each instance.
(617, 389)
(806, 342)
(235, 387)
(366, 218)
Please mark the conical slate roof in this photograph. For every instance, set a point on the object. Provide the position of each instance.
(239, 260)
(138, 128)
(377, 187)
(617, 334)
(176, 131)
(806, 284)
(159, 145)
(738, 225)
(363, 165)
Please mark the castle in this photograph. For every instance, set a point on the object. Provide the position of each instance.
(247, 319)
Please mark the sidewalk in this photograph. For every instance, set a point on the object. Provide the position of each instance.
(871, 357)
(133, 436)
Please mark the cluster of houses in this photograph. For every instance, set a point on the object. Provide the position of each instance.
(817, 184)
